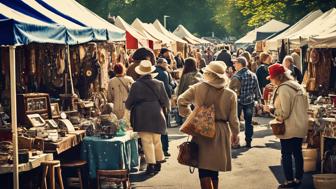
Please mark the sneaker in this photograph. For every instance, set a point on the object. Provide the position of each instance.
(297, 182)
(248, 145)
(166, 153)
(288, 185)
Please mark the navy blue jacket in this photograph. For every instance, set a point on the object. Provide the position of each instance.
(167, 80)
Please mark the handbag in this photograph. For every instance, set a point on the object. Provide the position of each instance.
(201, 122)
(188, 154)
(278, 128)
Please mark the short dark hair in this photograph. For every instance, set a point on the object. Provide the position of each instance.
(142, 54)
(119, 69)
(161, 60)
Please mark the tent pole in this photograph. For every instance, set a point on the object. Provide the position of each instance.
(13, 117)
(70, 72)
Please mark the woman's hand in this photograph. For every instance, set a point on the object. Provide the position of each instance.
(234, 138)
(267, 108)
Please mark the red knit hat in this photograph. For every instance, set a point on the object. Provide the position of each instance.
(275, 70)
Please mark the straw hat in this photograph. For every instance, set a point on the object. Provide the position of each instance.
(145, 67)
(216, 67)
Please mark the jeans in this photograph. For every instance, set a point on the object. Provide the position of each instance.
(292, 148)
(165, 143)
(164, 138)
(248, 113)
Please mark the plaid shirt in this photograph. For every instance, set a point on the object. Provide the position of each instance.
(249, 87)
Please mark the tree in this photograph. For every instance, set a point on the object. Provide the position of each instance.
(228, 15)
(289, 11)
(195, 15)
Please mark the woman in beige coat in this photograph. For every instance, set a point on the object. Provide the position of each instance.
(290, 105)
(214, 154)
(118, 89)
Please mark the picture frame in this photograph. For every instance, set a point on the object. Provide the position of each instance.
(55, 110)
(52, 123)
(36, 120)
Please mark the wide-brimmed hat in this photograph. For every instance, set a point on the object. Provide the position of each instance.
(216, 67)
(275, 70)
(145, 67)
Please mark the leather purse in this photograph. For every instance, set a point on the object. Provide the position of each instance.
(278, 128)
(188, 154)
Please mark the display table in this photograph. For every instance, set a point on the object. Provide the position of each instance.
(330, 123)
(33, 163)
(70, 140)
(110, 154)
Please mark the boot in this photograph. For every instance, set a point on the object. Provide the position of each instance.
(215, 184)
(157, 167)
(206, 183)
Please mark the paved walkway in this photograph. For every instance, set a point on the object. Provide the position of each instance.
(256, 168)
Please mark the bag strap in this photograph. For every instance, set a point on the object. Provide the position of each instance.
(127, 89)
(149, 87)
(292, 104)
(191, 169)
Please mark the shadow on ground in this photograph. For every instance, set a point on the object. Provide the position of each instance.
(262, 133)
(307, 181)
(270, 144)
(238, 152)
(139, 176)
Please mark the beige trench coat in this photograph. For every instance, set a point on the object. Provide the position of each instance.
(117, 94)
(214, 154)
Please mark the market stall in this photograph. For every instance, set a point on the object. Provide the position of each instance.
(45, 56)
(260, 33)
(134, 39)
(182, 32)
(156, 43)
(179, 45)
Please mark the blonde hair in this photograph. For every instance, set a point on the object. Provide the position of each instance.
(263, 57)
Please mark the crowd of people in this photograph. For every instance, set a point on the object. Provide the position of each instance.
(235, 83)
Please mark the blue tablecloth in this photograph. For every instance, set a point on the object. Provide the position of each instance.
(110, 154)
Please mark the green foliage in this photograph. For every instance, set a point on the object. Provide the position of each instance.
(224, 17)
(229, 16)
(196, 15)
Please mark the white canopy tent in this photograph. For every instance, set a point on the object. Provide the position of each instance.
(271, 27)
(275, 42)
(323, 41)
(163, 30)
(137, 24)
(86, 17)
(141, 41)
(153, 31)
(177, 43)
(323, 25)
(183, 33)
